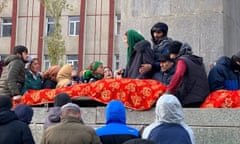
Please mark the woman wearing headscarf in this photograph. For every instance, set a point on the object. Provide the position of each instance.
(50, 77)
(138, 52)
(64, 76)
(94, 72)
(169, 127)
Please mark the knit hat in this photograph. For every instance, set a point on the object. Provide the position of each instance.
(160, 27)
(70, 106)
(62, 99)
(174, 47)
(20, 49)
(5, 103)
(24, 113)
(164, 57)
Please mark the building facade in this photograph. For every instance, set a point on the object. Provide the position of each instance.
(88, 30)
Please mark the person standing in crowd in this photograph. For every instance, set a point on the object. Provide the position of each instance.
(64, 76)
(139, 52)
(168, 127)
(13, 74)
(94, 72)
(225, 74)
(24, 113)
(12, 130)
(54, 112)
(116, 131)
(33, 79)
(160, 44)
(71, 129)
(189, 82)
(50, 77)
(164, 75)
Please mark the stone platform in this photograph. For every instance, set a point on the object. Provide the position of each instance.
(211, 126)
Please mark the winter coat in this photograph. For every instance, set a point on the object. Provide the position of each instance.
(169, 127)
(70, 131)
(49, 84)
(164, 77)
(32, 82)
(12, 130)
(13, 76)
(141, 54)
(116, 131)
(222, 76)
(161, 48)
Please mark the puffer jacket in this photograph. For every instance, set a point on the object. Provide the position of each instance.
(13, 76)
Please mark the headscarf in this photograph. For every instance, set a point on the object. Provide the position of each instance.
(168, 110)
(132, 38)
(51, 72)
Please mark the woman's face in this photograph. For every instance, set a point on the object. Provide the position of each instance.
(108, 73)
(35, 66)
(125, 40)
(100, 70)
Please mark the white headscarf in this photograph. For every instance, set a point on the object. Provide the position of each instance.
(168, 110)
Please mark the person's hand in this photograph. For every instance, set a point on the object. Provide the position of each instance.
(145, 68)
(17, 98)
(119, 74)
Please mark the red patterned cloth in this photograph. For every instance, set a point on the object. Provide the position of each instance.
(135, 94)
(223, 99)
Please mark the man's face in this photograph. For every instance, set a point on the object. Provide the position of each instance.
(25, 56)
(157, 35)
(165, 65)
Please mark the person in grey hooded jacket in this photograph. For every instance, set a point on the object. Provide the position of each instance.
(54, 112)
(169, 127)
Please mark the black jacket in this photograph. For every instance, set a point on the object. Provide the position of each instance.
(13, 131)
(141, 54)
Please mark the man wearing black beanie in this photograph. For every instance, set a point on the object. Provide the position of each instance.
(12, 130)
(189, 82)
(225, 74)
(13, 74)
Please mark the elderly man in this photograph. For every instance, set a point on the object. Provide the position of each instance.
(71, 130)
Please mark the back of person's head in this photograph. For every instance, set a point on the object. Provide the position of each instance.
(139, 141)
(235, 60)
(62, 99)
(24, 113)
(168, 109)
(160, 27)
(70, 110)
(5, 103)
(178, 48)
(20, 49)
(115, 112)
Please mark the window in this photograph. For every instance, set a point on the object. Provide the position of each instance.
(73, 23)
(116, 62)
(6, 27)
(50, 25)
(73, 60)
(46, 62)
(117, 24)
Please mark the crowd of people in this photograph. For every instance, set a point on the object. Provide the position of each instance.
(168, 61)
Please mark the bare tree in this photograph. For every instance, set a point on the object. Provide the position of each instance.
(55, 42)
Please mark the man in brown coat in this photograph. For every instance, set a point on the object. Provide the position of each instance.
(71, 130)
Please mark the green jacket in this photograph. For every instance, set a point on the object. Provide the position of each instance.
(13, 76)
(32, 82)
(70, 131)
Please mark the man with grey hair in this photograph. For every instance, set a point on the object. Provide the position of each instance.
(71, 129)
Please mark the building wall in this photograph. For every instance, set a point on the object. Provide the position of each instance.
(200, 23)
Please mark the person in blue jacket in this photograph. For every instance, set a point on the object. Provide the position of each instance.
(116, 131)
(225, 74)
(169, 127)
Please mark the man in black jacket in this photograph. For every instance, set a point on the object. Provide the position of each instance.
(12, 130)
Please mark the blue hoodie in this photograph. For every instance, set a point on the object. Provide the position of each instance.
(116, 131)
(222, 76)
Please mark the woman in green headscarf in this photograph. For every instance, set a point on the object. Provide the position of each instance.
(94, 72)
(139, 52)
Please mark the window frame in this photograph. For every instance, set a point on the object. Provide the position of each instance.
(4, 24)
(76, 22)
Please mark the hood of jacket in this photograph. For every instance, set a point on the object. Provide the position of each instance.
(224, 60)
(168, 109)
(115, 112)
(10, 58)
(7, 116)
